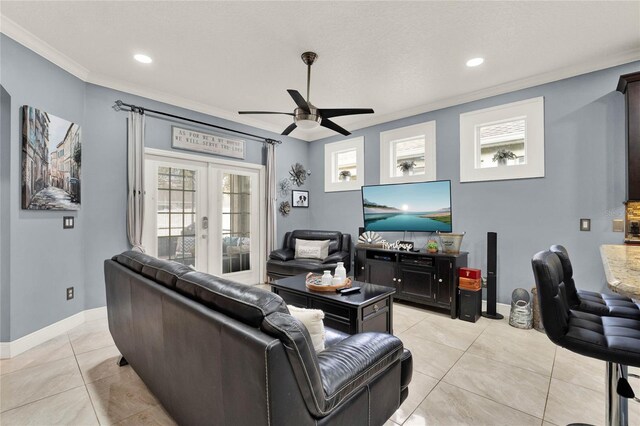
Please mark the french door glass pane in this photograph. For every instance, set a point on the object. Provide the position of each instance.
(176, 215)
(236, 223)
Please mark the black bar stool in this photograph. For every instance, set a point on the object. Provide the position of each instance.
(613, 305)
(611, 339)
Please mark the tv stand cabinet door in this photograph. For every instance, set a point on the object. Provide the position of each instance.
(417, 284)
(381, 272)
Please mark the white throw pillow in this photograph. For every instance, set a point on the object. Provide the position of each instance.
(312, 249)
(312, 319)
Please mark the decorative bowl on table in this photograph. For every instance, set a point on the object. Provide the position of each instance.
(314, 283)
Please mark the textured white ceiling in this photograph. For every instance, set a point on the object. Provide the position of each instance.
(399, 58)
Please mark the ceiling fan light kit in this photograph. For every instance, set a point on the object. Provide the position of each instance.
(306, 115)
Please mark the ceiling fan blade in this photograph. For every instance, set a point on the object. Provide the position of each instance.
(333, 126)
(298, 99)
(338, 112)
(265, 112)
(289, 129)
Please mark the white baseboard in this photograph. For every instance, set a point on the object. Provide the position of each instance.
(18, 346)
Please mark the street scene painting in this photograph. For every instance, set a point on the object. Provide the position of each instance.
(51, 161)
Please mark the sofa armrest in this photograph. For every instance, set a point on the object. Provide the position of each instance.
(355, 362)
(282, 254)
(339, 256)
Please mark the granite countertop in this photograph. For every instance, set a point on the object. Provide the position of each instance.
(622, 268)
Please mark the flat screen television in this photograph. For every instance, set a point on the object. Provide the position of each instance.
(410, 207)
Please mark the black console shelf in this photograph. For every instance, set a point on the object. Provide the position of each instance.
(426, 278)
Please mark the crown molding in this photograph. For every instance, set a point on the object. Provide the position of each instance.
(42, 48)
(27, 39)
(549, 77)
(178, 101)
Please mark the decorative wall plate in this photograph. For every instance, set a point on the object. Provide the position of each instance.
(298, 174)
(284, 187)
(369, 237)
(285, 208)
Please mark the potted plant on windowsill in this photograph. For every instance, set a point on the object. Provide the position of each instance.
(406, 167)
(344, 176)
(503, 155)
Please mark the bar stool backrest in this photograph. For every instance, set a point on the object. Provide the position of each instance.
(549, 277)
(569, 284)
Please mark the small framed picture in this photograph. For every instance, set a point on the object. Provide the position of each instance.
(299, 198)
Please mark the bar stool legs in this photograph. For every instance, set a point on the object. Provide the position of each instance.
(617, 409)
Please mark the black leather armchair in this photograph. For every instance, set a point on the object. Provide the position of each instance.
(282, 262)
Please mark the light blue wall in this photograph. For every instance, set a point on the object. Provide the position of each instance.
(43, 258)
(5, 236)
(584, 178)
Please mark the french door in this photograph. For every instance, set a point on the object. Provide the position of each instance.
(205, 215)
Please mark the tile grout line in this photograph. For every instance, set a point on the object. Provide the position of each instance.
(546, 400)
(40, 399)
(484, 396)
(84, 382)
(428, 393)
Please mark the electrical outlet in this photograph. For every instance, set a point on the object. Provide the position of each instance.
(69, 293)
(585, 224)
(618, 225)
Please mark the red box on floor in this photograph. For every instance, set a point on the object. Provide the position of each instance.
(474, 274)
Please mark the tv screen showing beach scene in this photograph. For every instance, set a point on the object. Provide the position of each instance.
(411, 207)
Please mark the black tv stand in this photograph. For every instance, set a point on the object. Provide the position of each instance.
(429, 279)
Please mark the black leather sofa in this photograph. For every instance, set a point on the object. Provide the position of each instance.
(282, 262)
(217, 352)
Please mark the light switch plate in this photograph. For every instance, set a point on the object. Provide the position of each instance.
(68, 222)
(585, 224)
(618, 225)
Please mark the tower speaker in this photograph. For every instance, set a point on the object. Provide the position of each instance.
(492, 276)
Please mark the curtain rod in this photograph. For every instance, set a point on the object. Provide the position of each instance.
(119, 105)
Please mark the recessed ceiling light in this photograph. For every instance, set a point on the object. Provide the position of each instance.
(142, 58)
(475, 62)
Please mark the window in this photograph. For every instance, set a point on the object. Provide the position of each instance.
(503, 142)
(497, 140)
(408, 154)
(344, 165)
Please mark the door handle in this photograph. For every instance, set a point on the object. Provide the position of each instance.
(440, 280)
(205, 222)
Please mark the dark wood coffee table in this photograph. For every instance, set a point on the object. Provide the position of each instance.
(371, 309)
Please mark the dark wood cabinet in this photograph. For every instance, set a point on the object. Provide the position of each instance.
(629, 84)
(427, 278)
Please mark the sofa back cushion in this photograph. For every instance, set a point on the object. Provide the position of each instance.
(244, 303)
(334, 237)
(165, 272)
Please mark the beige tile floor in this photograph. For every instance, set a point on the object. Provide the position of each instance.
(486, 373)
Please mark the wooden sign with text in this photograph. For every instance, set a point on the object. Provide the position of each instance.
(207, 143)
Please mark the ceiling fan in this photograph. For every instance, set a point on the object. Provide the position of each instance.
(306, 115)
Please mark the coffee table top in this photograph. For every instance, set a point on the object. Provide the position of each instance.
(367, 293)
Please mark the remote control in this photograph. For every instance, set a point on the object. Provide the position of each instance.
(349, 290)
